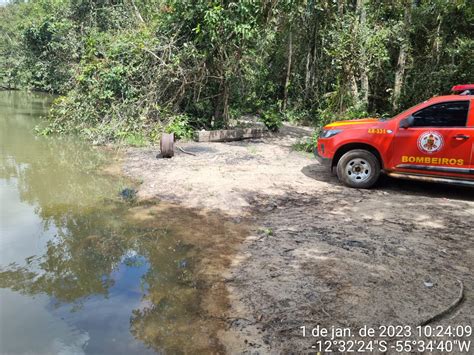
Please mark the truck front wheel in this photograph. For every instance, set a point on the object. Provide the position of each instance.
(358, 168)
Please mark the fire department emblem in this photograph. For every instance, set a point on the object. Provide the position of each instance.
(430, 142)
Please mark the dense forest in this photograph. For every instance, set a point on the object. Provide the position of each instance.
(125, 70)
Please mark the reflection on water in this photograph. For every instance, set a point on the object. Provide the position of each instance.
(82, 271)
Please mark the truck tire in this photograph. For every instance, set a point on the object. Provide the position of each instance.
(358, 168)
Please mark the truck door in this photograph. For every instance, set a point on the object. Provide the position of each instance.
(437, 142)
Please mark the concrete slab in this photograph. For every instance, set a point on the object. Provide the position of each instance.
(226, 135)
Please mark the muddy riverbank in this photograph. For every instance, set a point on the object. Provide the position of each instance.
(319, 253)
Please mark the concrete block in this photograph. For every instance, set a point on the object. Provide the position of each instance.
(226, 135)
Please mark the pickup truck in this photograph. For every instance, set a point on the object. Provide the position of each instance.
(432, 141)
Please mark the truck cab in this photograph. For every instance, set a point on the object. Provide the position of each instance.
(432, 141)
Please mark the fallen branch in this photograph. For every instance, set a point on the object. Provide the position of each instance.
(186, 152)
(139, 16)
(447, 310)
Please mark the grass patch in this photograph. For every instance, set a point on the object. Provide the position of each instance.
(135, 140)
(303, 146)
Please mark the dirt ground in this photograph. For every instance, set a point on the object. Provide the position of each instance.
(320, 253)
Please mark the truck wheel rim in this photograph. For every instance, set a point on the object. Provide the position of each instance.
(358, 170)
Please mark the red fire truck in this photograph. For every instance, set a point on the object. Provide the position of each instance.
(432, 141)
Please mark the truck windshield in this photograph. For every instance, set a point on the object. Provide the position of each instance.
(403, 113)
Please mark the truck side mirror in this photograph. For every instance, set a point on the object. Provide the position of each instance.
(407, 122)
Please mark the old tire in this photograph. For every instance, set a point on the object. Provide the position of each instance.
(167, 145)
(358, 168)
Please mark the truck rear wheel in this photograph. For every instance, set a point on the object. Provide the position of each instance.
(358, 168)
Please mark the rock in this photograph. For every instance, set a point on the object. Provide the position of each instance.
(128, 193)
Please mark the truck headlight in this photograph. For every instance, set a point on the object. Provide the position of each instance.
(328, 133)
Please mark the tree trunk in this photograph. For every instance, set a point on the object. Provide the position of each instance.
(314, 66)
(311, 59)
(307, 77)
(402, 60)
(288, 71)
(399, 77)
(225, 105)
(353, 85)
(438, 40)
(340, 8)
(311, 62)
(364, 76)
(221, 105)
(364, 86)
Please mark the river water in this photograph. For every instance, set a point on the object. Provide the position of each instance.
(83, 270)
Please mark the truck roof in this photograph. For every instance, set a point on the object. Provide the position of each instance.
(455, 97)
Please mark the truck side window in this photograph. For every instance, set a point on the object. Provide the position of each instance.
(447, 114)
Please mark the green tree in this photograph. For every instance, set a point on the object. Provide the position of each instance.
(128, 69)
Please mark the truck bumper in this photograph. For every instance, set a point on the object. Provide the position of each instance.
(327, 162)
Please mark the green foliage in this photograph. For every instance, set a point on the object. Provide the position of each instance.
(272, 119)
(307, 145)
(40, 45)
(133, 139)
(181, 127)
(300, 116)
(268, 232)
(138, 68)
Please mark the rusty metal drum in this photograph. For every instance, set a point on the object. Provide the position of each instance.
(167, 145)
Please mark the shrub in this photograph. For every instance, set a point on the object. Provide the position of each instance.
(308, 144)
(181, 127)
(272, 119)
(297, 116)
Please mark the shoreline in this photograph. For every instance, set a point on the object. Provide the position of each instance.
(317, 252)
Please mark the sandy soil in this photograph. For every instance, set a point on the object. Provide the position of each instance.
(320, 253)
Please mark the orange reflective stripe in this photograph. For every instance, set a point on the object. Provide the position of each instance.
(344, 123)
